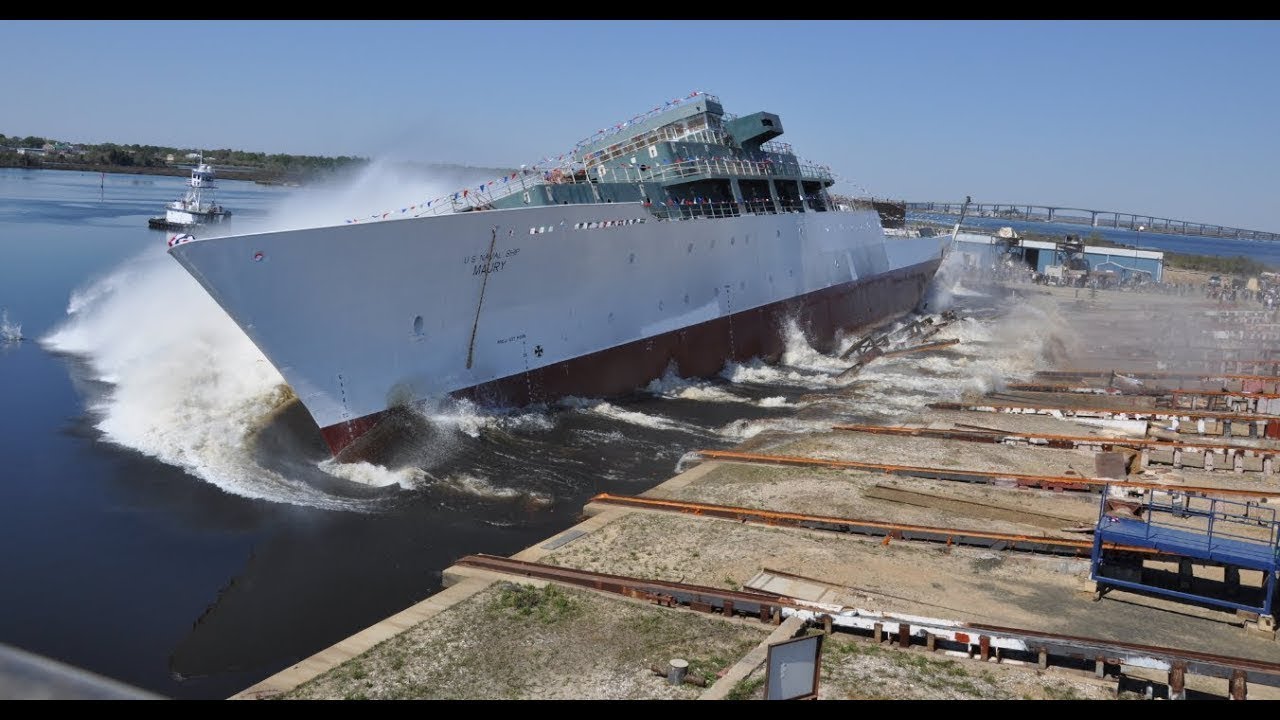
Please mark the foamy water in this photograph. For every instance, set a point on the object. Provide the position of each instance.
(481, 487)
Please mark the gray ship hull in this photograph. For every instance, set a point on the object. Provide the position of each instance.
(532, 304)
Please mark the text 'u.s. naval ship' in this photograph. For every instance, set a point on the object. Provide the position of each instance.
(682, 239)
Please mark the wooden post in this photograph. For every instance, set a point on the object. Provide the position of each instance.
(878, 632)
(904, 635)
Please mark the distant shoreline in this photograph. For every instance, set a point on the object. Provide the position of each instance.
(261, 177)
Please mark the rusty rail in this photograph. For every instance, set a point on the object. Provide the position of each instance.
(1071, 442)
(1154, 375)
(1258, 424)
(932, 633)
(1157, 413)
(875, 528)
(1046, 482)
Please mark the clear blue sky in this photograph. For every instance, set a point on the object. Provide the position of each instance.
(1173, 118)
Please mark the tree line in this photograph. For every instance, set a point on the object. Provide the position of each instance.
(232, 163)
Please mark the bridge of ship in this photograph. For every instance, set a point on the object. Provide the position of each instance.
(691, 160)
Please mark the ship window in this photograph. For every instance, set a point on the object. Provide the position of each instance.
(417, 325)
(766, 122)
(632, 259)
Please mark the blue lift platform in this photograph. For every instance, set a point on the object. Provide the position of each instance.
(1235, 535)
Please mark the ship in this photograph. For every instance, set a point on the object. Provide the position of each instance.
(196, 206)
(678, 241)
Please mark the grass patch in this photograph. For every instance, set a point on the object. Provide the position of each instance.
(746, 688)
(1061, 692)
(548, 605)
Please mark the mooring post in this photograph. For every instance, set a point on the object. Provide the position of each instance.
(1177, 681)
(677, 668)
(1239, 685)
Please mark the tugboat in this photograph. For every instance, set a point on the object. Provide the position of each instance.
(196, 207)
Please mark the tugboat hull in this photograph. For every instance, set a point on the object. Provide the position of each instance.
(164, 223)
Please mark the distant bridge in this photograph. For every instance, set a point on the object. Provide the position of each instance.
(1093, 218)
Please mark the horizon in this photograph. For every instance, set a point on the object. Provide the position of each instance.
(1162, 118)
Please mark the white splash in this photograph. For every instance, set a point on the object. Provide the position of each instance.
(383, 187)
(671, 385)
(187, 386)
(471, 419)
(10, 332)
(613, 412)
(364, 473)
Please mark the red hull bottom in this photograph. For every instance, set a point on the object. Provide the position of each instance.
(696, 351)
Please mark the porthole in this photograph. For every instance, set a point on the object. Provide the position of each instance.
(417, 325)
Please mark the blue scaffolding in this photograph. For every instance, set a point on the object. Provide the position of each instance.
(1232, 534)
